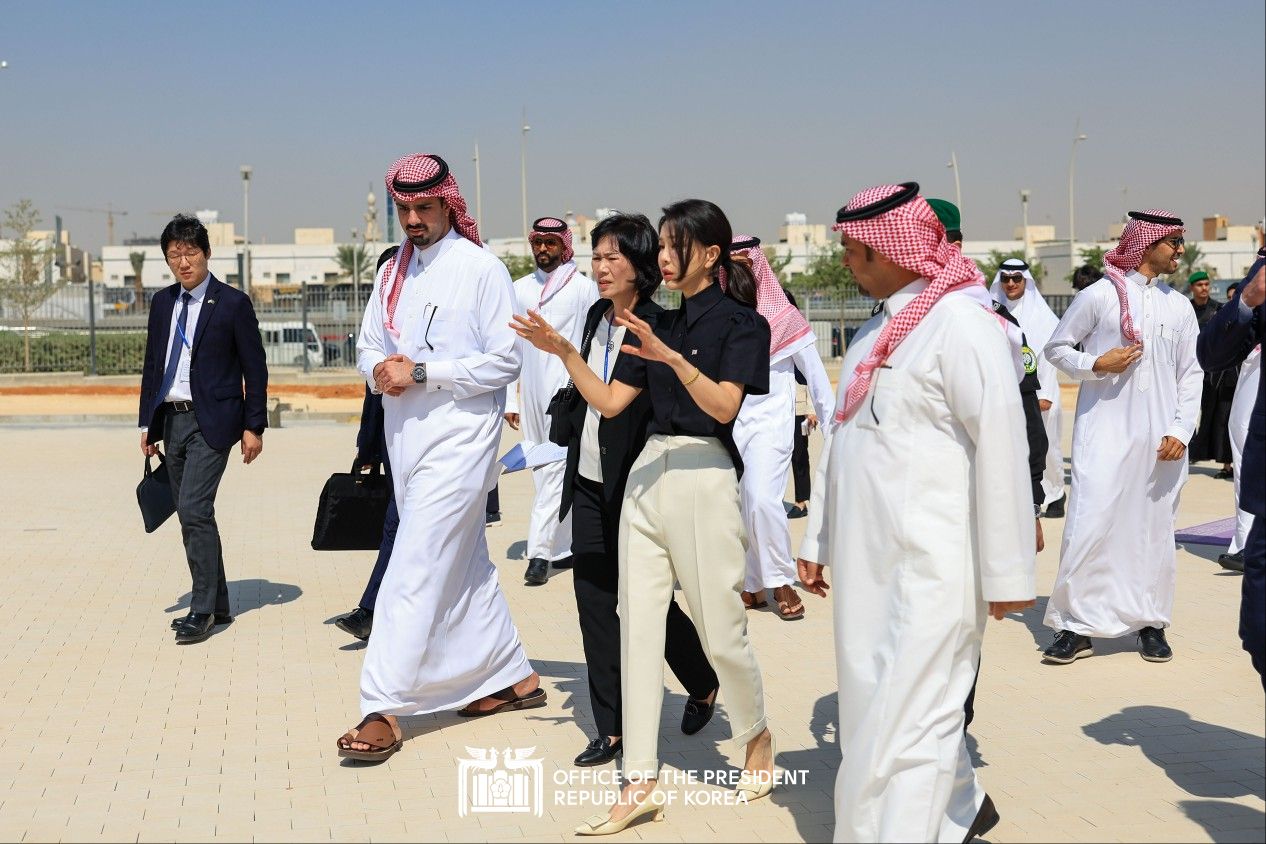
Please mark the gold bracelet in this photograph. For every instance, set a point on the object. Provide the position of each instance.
(693, 378)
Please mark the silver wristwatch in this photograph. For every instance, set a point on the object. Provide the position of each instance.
(419, 374)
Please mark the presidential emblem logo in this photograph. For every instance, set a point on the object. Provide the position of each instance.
(512, 785)
(1030, 360)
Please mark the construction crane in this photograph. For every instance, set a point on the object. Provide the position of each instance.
(110, 211)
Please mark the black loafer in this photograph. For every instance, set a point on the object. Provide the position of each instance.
(1152, 645)
(537, 572)
(220, 619)
(195, 628)
(492, 519)
(600, 751)
(696, 715)
(795, 511)
(359, 623)
(986, 819)
(1232, 562)
(1055, 510)
(1067, 647)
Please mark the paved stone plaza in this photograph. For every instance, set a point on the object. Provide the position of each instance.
(113, 732)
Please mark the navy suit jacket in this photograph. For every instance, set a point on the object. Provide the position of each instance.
(1224, 342)
(228, 377)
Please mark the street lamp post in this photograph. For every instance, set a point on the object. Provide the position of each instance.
(1072, 229)
(523, 170)
(479, 193)
(246, 171)
(958, 190)
(356, 259)
(1024, 213)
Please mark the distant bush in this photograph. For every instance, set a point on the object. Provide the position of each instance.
(118, 353)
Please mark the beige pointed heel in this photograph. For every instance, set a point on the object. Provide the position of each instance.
(752, 789)
(603, 825)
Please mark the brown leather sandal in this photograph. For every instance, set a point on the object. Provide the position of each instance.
(790, 607)
(509, 703)
(377, 732)
(753, 600)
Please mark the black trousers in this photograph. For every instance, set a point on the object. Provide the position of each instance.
(596, 576)
(800, 474)
(195, 469)
(1253, 597)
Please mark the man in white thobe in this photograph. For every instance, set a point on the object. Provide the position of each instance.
(1136, 410)
(1014, 287)
(1247, 387)
(764, 432)
(922, 508)
(563, 295)
(436, 341)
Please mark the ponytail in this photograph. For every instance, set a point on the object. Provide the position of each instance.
(740, 284)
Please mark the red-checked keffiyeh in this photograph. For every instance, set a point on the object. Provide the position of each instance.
(545, 227)
(412, 178)
(1143, 230)
(789, 331)
(896, 221)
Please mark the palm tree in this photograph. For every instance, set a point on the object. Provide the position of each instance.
(353, 262)
(138, 266)
(1189, 259)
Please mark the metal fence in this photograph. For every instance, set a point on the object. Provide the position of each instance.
(102, 331)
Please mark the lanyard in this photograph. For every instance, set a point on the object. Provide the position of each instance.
(606, 355)
(183, 338)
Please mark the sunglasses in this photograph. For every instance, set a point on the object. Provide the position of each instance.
(1012, 278)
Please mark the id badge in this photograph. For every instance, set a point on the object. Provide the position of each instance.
(182, 371)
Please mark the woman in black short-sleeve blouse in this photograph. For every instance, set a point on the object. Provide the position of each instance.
(681, 520)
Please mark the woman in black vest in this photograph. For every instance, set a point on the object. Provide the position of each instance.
(599, 456)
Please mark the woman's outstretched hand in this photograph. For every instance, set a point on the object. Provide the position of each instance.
(540, 333)
(652, 347)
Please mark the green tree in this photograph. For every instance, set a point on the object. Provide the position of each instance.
(354, 261)
(989, 267)
(1091, 256)
(138, 287)
(23, 260)
(827, 275)
(519, 265)
(1189, 261)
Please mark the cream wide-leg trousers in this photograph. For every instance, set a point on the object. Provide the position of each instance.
(681, 521)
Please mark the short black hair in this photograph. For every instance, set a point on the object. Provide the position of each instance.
(954, 235)
(639, 242)
(1086, 275)
(186, 228)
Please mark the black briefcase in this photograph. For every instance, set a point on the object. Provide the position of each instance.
(154, 495)
(351, 511)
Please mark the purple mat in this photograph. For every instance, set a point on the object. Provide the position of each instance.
(1209, 533)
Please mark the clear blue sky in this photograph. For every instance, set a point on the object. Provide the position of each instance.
(764, 108)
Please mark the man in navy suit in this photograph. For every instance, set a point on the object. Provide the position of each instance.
(204, 387)
(1224, 342)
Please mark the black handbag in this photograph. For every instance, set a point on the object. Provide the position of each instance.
(561, 428)
(351, 511)
(154, 495)
(562, 407)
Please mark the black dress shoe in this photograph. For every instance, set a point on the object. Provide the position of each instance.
(564, 563)
(220, 618)
(697, 714)
(986, 819)
(795, 511)
(1055, 510)
(537, 572)
(1225, 474)
(359, 623)
(195, 628)
(1152, 645)
(1232, 562)
(1068, 646)
(600, 751)
(492, 519)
